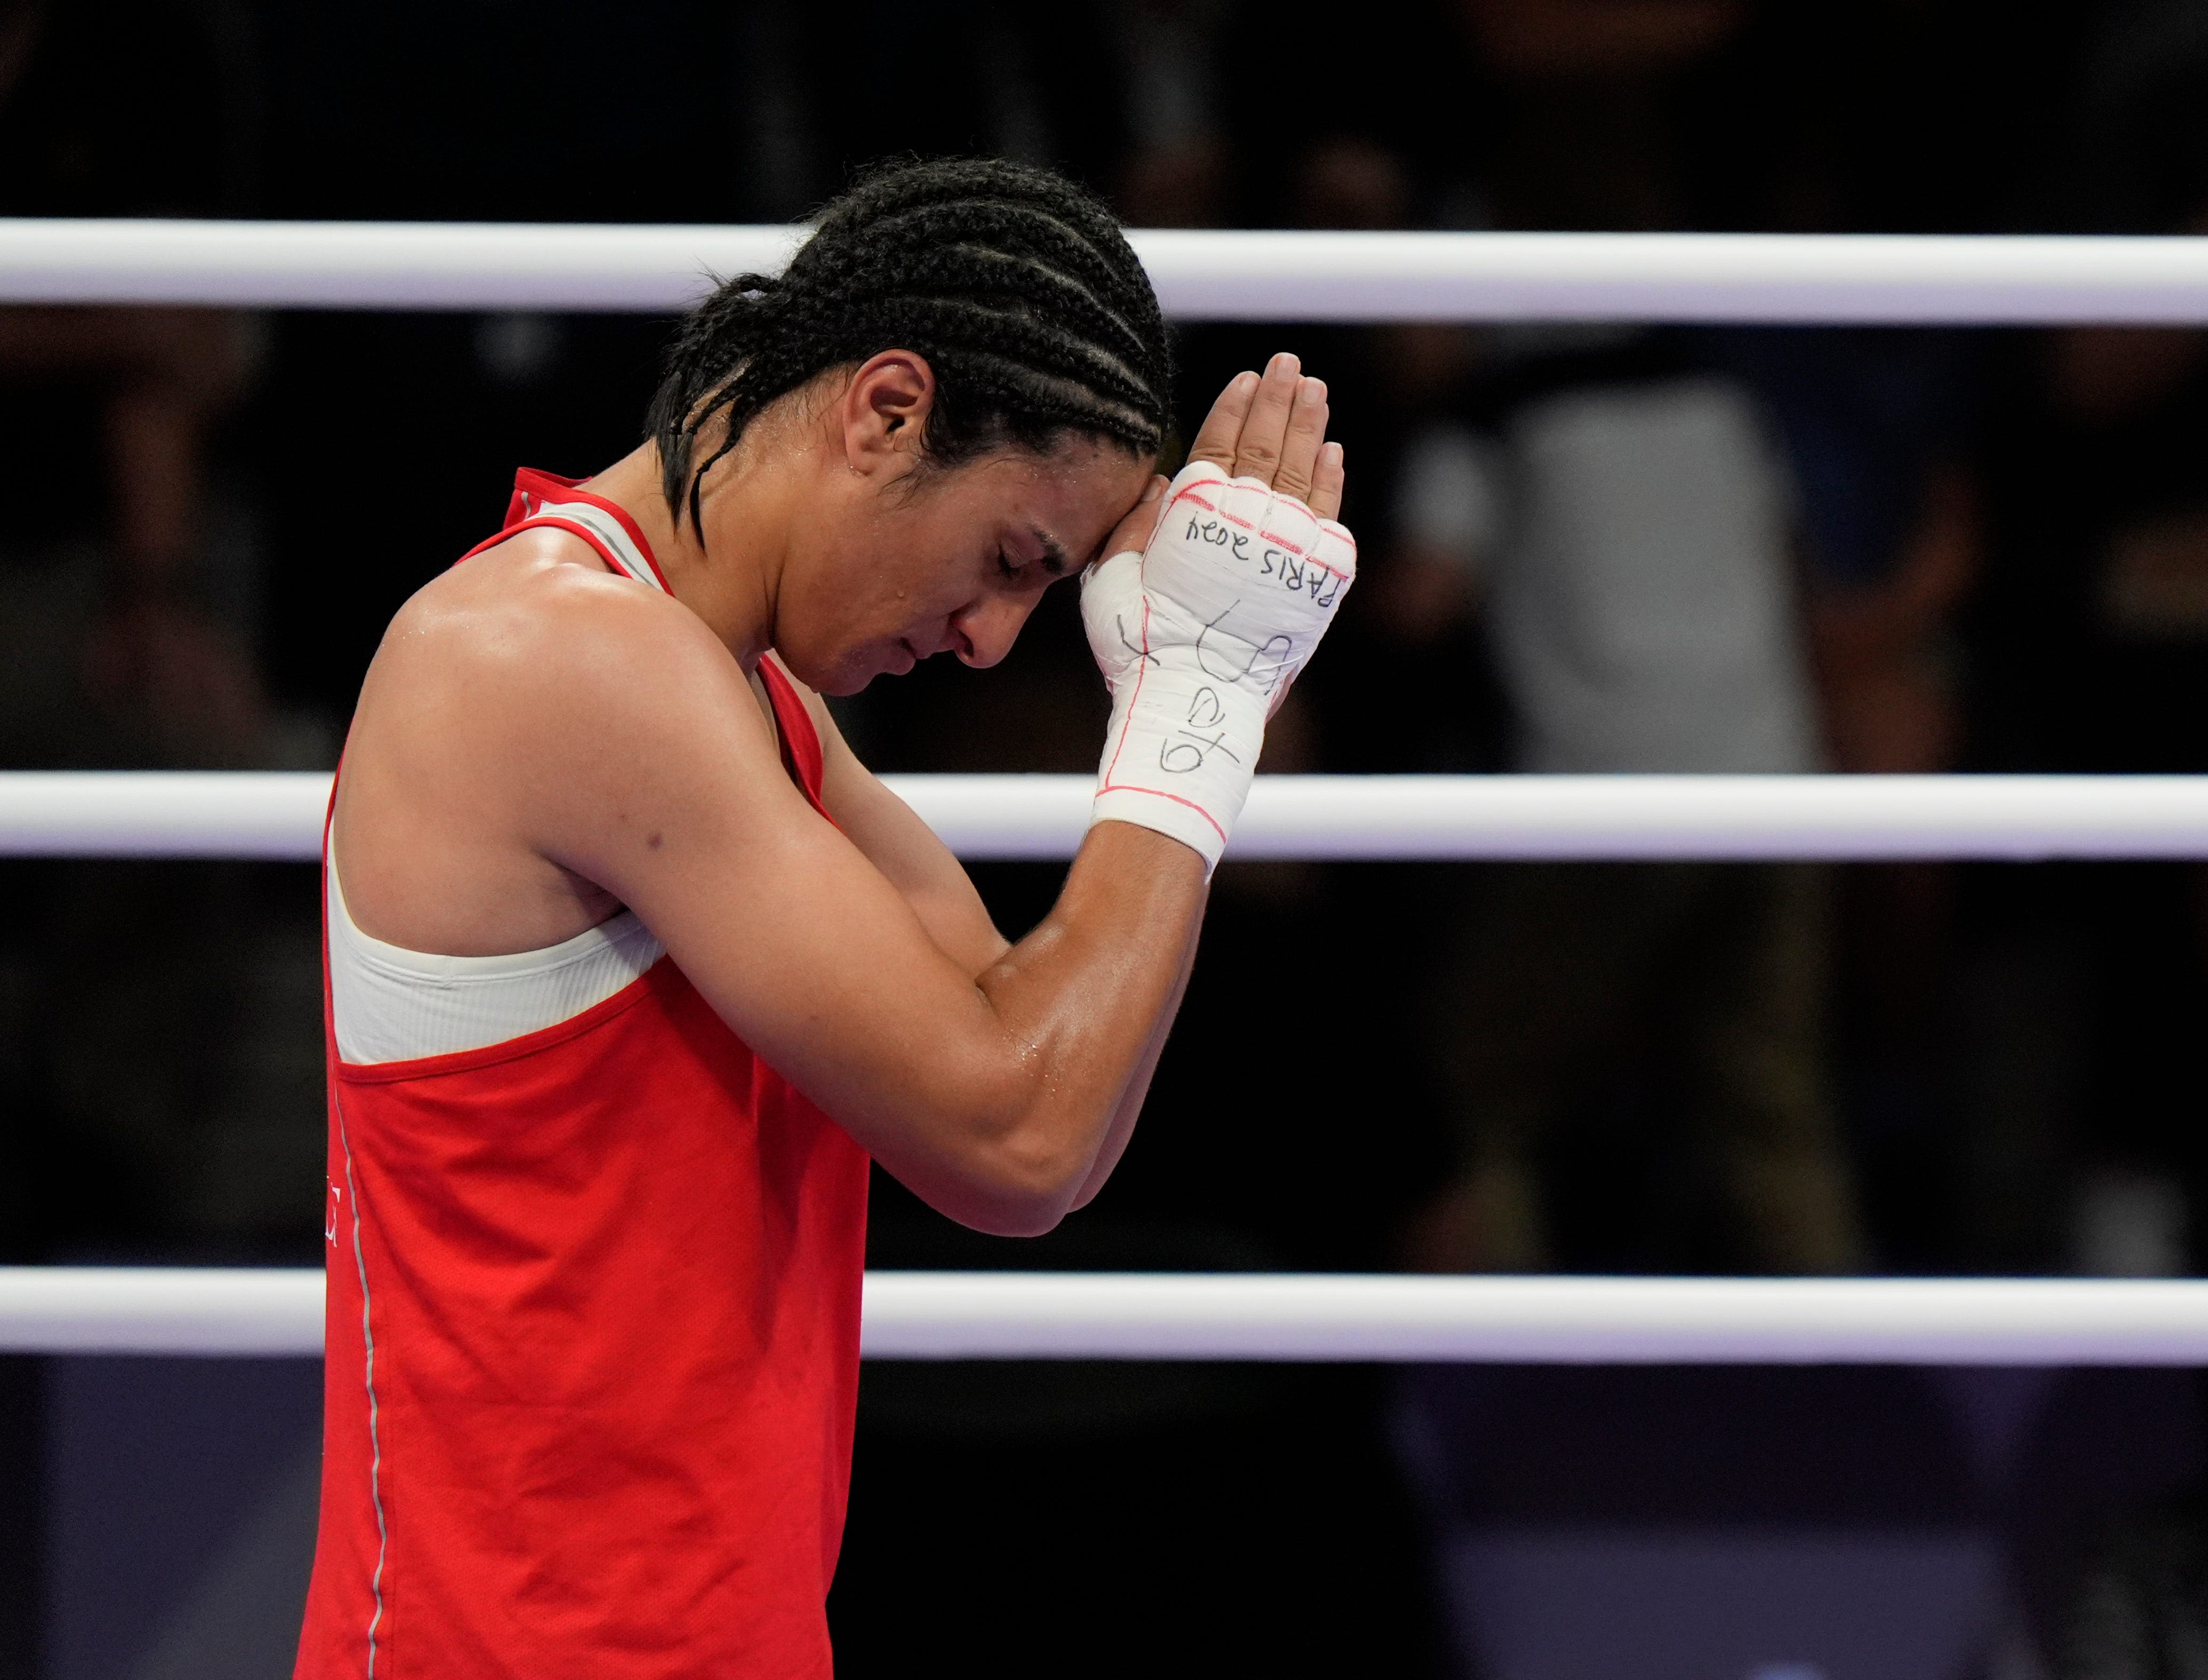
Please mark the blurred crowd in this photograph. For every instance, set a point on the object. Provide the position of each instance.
(1587, 548)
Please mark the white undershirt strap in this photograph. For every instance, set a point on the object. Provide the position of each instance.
(601, 531)
(391, 1005)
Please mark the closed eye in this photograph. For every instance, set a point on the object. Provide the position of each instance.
(1054, 564)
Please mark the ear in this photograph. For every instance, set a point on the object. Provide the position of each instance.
(883, 411)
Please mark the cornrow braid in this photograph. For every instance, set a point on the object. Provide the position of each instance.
(1017, 285)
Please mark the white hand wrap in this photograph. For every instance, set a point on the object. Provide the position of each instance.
(1199, 637)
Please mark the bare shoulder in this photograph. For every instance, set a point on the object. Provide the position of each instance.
(521, 689)
(525, 618)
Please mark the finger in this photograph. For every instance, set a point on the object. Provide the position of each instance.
(1258, 453)
(1300, 448)
(1134, 529)
(1222, 426)
(1327, 483)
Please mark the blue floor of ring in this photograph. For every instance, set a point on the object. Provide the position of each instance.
(1699, 1524)
(180, 1505)
(1779, 1523)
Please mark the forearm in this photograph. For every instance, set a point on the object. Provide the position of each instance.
(1015, 1100)
(1086, 1000)
(1121, 1130)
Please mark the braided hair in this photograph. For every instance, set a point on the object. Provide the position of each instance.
(1017, 285)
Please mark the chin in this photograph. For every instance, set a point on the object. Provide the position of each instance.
(844, 671)
(842, 680)
(821, 677)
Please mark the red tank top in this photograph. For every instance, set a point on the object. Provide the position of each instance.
(593, 1334)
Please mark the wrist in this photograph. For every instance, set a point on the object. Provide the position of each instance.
(1156, 852)
(1183, 745)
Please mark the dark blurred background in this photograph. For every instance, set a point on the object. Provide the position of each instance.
(1587, 548)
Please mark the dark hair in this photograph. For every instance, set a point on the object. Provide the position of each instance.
(1017, 285)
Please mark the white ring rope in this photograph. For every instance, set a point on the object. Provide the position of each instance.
(279, 815)
(1045, 1315)
(1963, 280)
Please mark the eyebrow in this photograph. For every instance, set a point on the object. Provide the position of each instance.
(1055, 560)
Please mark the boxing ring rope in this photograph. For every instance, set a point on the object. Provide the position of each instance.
(1966, 280)
(1287, 1316)
(279, 815)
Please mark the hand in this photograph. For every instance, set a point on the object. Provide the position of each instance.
(1200, 635)
(1271, 429)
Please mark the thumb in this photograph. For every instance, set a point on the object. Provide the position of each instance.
(1135, 530)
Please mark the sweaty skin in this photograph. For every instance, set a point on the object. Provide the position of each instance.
(540, 742)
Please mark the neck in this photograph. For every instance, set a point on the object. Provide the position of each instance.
(733, 592)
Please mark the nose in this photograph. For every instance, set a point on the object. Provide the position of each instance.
(984, 633)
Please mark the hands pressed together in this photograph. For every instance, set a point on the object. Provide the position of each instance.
(1216, 592)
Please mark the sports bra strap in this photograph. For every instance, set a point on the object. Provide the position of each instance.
(544, 499)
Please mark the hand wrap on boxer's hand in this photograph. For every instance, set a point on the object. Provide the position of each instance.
(1199, 637)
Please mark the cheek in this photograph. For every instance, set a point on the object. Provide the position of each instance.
(936, 572)
(858, 575)
(882, 597)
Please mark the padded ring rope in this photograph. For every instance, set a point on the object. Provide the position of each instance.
(1163, 1315)
(1953, 279)
(279, 815)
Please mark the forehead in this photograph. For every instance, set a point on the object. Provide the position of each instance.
(1083, 485)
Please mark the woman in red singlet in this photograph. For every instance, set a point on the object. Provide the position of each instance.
(631, 966)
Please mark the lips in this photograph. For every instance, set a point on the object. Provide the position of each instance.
(911, 654)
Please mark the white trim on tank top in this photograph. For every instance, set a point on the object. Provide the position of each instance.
(388, 1004)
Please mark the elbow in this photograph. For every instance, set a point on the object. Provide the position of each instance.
(1023, 1193)
(1010, 1219)
(1016, 1183)
(999, 1156)
(992, 1205)
(998, 1210)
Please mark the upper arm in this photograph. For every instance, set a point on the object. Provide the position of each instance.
(892, 837)
(661, 782)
